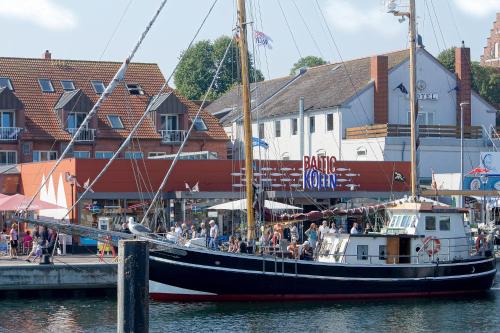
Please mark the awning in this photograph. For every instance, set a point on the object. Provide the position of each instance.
(19, 202)
(242, 205)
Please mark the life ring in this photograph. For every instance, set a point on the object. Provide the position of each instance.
(432, 249)
(480, 242)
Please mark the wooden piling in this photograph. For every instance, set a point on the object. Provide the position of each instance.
(133, 286)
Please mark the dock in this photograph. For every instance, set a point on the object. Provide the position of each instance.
(71, 274)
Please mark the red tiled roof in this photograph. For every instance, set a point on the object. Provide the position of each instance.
(42, 121)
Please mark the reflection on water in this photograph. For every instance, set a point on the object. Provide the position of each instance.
(477, 313)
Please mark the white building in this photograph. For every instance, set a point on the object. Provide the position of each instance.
(359, 110)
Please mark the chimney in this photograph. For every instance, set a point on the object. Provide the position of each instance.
(379, 74)
(464, 83)
(47, 55)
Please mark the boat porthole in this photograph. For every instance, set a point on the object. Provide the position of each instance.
(217, 262)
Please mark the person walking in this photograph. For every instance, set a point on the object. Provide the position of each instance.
(214, 234)
(13, 241)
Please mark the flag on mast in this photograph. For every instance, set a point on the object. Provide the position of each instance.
(263, 40)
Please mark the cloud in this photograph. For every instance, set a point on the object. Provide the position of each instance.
(479, 8)
(44, 13)
(360, 16)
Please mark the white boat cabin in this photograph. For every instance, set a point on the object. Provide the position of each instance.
(416, 233)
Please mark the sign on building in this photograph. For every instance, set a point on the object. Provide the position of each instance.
(319, 173)
(490, 162)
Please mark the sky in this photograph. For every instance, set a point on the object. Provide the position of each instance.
(108, 30)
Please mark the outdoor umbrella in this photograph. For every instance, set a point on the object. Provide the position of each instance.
(19, 202)
(242, 205)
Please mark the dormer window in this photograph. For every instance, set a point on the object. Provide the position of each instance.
(67, 85)
(6, 83)
(115, 121)
(98, 86)
(46, 85)
(135, 89)
(199, 125)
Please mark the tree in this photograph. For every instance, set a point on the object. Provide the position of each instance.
(309, 61)
(198, 66)
(485, 80)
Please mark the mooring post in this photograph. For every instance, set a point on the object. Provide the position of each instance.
(133, 286)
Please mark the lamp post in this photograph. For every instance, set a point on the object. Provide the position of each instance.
(484, 181)
(462, 105)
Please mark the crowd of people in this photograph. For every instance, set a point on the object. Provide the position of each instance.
(30, 243)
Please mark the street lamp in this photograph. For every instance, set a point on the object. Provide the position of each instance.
(462, 105)
(484, 181)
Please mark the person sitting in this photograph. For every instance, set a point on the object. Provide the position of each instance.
(293, 249)
(234, 246)
(354, 229)
(275, 240)
(307, 251)
(243, 246)
(194, 234)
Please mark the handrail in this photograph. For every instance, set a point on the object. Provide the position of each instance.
(398, 130)
(9, 133)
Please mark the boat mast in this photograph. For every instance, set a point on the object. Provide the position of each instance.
(247, 119)
(413, 101)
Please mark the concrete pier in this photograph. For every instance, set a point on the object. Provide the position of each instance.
(67, 274)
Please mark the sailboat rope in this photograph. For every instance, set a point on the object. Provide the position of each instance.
(176, 158)
(119, 77)
(144, 115)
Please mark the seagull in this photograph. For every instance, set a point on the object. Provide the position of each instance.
(138, 229)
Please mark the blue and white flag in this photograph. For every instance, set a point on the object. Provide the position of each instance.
(263, 40)
(256, 142)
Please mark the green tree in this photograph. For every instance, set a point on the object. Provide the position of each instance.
(309, 61)
(485, 80)
(198, 66)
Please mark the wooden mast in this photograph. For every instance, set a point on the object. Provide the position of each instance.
(413, 101)
(247, 120)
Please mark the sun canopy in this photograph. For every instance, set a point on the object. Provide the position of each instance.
(19, 202)
(242, 205)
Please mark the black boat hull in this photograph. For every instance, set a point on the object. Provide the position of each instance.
(189, 275)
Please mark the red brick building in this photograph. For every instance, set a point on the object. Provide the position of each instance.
(491, 54)
(43, 101)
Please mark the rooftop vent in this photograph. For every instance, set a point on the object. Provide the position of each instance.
(47, 55)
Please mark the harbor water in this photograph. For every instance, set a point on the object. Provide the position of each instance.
(451, 314)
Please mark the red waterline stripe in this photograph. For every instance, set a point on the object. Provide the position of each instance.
(301, 297)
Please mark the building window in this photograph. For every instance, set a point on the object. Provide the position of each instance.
(46, 85)
(261, 131)
(67, 85)
(382, 252)
(361, 153)
(103, 154)
(294, 126)
(5, 82)
(8, 157)
(98, 86)
(81, 154)
(75, 119)
(40, 155)
(444, 224)
(26, 148)
(134, 155)
(329, 122)
(430, 223)
(277, 128)
(312, 124)
(156, 154)
(7, 119)
(115, 121)
(135, 89)
(199, 125)
(362, 252)
(423, 118)
(169, 122)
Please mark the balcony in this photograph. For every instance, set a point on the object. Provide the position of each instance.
(172, 136)
(9, 133)
(426, 131)
(85, 135)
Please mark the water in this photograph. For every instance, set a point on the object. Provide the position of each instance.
(458, 314)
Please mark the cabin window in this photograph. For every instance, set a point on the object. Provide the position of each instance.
(362, 252)
(382, 252)
(430, 223)
(405, 221)
(294, 126)
(444, 223)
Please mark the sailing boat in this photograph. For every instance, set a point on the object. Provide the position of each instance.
(424, 250)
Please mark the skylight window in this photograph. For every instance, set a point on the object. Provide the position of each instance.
(115, 121)
(5, 83)
(46, 85)
(68, 85)
(134, 89)
(98, 86)
(200, 125)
